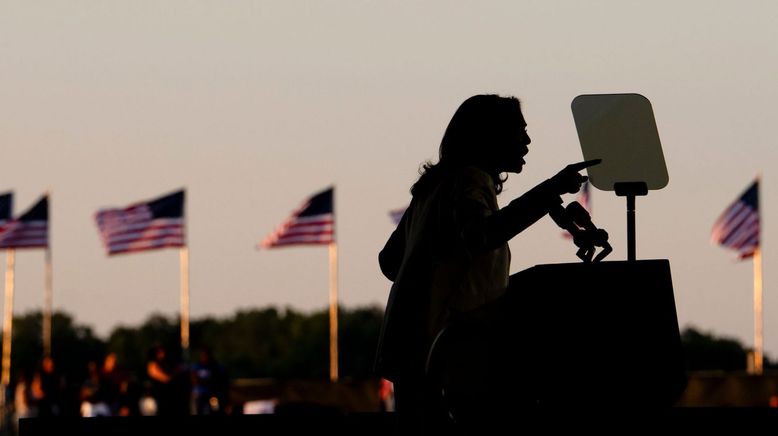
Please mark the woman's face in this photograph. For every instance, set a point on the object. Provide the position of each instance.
(516, 146)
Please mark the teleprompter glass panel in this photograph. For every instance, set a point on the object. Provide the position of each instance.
(621, 130)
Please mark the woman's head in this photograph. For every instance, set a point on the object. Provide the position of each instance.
(486, 131)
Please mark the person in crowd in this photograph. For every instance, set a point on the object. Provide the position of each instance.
(209, 384)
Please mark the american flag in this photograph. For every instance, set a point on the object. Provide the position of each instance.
(150, 225)
(738, 227)
(312, 223)
(584, 198)
(396, 215)
(30, 230)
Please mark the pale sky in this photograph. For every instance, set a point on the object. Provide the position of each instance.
(252, 106)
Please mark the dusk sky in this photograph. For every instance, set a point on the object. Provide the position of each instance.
(252, 106)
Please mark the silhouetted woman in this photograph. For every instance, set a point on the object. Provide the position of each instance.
(449, 254)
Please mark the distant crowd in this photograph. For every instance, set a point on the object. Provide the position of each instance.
(167, 388)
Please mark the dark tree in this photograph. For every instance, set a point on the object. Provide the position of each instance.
(705, 351)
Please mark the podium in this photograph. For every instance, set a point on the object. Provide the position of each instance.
(582, 335)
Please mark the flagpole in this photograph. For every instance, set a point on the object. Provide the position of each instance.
(8, 313)
(48, 288)
(47, 304)
(333, 252)
(758, 313)
(758, 309)
(184, 266)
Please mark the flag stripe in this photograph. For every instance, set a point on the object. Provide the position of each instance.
(311, 233)
(142, 245)
(308, 239)
(139, 227)
(148, 234)
(27, 242)
(323, 218)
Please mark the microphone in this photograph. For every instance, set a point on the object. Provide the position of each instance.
(593, 236)
(562, 219)
(580, 216)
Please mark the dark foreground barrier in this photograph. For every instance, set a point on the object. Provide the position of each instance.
(308, 423)
(542, 421)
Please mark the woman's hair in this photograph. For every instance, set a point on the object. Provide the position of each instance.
(475, 136)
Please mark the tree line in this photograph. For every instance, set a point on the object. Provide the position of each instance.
(268, 342)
